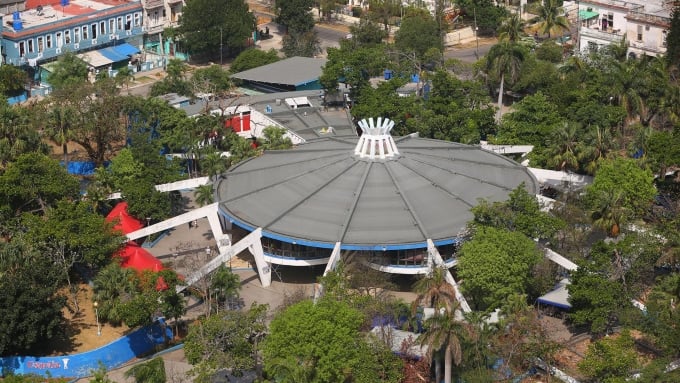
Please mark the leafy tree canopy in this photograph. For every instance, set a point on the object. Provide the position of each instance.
(418, 33)
(77, 228)
(521, 212)
(34, 183)
(625, 177)
(324, 341)
(30, 304)
(295, 15)
(211, 25)
(68, 70)
(532, 120)
(495, 264)
(12, 80)
(225, 340)
(253, 58)
(611, 359)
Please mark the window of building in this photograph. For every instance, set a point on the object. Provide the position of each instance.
(48, 41)
(610, 19)
(67, 37)
(86, 34)
(60, 39)
(22, 49)
(119, 24)
(41, 44)
(102, 28)
(93, 27)
(76, 35)
(31, 48)
(112, 25)
(128, 22)
(164, 14)
(639, 33)
(138, 19)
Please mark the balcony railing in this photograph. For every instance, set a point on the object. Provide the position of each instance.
(610, 35)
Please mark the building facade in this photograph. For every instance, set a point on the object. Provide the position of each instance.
(158, 15)
(35, 32)
(643, 24)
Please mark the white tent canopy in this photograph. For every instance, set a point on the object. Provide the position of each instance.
(558, 297)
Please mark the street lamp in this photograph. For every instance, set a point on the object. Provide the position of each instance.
(96, 313)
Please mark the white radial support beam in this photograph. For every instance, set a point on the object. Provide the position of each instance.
(332, 264)
(439, 261)
(264, 268)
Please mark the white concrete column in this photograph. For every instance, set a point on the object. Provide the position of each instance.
(332, 264)
(264, 269)
(439, 261)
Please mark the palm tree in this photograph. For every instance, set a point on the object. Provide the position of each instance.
(213, 164)
(58, 126)
(562, 148)
(505, 59)
(125, 77)
(596, 146)
(552, 18)
(434, 291)
(512, 28)
(113, 286)
(444, 332)
(626, 86)
(610, 213)
(204, 195)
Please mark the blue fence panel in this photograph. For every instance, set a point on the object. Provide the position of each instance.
(114, 354)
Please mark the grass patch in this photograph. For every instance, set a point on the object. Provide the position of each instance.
(144, 79)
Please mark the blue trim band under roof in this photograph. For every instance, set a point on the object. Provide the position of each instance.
(553, 303)
(325, 245)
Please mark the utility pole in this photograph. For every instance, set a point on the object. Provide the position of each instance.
(474, 10)
(221, 48)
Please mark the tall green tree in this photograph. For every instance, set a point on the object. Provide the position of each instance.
(417, 34)
(295, 15)
(30, 303)
(445, 332)
(304, 44)
(673, 38)
(275, 139)
(209, 26)
(512, 28)
(504, 60)
(12, 80)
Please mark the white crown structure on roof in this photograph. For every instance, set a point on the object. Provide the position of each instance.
(375, 141)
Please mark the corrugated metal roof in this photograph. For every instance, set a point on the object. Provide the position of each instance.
(320, 192)
(294, 71)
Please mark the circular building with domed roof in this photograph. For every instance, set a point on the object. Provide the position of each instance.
(388, 200)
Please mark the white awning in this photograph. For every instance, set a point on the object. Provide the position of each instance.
(95, 59)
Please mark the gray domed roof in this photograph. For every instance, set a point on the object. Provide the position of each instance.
(326, 191)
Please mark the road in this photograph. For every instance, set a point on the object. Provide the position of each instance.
(330, 35)
(469, 54)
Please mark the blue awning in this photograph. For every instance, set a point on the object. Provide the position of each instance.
(112, 54)
(126, 49)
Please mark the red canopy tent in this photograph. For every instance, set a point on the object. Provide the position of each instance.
(139, 259)
(135, 257)
(124, 222)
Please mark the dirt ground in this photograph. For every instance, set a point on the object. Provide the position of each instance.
(81, 332)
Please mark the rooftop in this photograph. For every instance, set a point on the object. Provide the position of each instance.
(294, 71)
(324, 191)
(48, 13)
